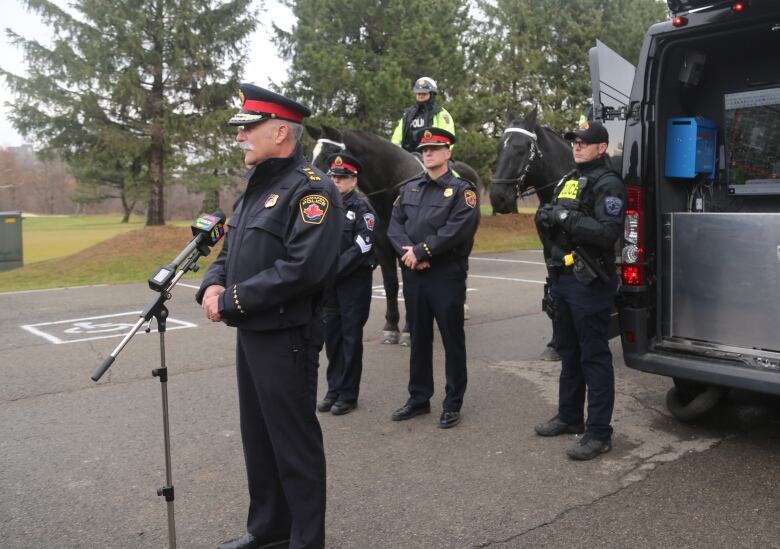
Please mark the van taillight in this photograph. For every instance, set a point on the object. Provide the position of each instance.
(633, 254)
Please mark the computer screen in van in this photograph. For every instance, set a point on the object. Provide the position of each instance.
(752, 141)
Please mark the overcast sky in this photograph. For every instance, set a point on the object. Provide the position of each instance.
(264, 65)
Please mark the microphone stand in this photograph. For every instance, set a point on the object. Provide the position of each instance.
(156, 308)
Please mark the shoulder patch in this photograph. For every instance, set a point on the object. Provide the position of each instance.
(613, 205)
(369, 219)
(313, 208)
(471, 198)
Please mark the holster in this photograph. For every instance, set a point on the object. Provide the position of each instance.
(556, 309)
(587, 268)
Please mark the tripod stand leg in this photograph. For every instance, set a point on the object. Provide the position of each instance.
(162, 373)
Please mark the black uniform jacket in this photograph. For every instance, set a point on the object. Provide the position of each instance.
(281, 246)
(437, 218)
(357, 236)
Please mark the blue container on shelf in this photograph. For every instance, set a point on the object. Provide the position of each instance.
(691, 145)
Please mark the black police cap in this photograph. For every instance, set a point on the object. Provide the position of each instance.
(590, 132)
(260, 104)
(434, 137)
(343, 163)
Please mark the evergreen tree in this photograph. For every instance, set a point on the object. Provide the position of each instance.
(537, 52)
(354, 62)
(140, 87)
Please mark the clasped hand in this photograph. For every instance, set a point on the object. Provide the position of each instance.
(411, 261)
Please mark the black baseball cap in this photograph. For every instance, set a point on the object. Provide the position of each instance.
(590, 132)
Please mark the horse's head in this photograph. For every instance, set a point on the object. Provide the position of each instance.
(517, 151)
(329, 141)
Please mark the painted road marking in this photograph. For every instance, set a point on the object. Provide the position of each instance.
(506, 260)
(72, 330)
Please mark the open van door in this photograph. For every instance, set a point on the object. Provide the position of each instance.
(611, 78)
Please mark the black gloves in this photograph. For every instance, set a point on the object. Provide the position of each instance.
(544, 217)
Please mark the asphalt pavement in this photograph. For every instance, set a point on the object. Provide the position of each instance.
(81, 462)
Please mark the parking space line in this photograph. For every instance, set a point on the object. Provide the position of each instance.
(508, 279)
(507, 260)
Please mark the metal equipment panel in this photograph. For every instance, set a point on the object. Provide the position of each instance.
(725, 277)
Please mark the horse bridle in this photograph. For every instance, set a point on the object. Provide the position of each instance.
(318, 149)
(535, 153)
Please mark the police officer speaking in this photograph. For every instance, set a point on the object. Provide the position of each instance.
(432, 230)
(347, 303)
(579, 230)
(281, 245)
(426, 113)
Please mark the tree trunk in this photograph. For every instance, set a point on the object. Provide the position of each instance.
(155, 213)
(211, 201)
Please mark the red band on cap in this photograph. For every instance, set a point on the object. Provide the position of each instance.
(343, 164)
(272, 108)
(436, 138)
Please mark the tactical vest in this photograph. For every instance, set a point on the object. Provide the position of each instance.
(575, 194)
(414, 121)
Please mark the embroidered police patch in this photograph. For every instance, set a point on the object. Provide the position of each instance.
(613, 205)
(313, 208)
(369, 219)
(471, 198)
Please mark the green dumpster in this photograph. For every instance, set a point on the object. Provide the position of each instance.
(10, 240)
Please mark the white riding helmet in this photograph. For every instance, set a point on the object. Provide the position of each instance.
(425, 84)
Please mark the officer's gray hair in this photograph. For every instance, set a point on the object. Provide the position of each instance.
(296, 130)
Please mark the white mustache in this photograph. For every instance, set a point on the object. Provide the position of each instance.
(244, 146)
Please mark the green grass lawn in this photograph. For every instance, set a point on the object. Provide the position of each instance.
(83, 250)
(49, 237)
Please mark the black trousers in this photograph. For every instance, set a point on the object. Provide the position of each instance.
(586, 361)
(346, 312)
(436, 293)
(285, 459)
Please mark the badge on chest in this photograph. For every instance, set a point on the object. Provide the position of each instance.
(270, 202)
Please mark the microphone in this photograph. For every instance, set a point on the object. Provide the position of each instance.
(207, 230)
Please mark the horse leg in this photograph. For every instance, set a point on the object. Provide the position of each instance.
(386, 258)
(406, 336)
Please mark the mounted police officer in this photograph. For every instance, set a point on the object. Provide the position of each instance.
(425, 114)
(579, 230)
(347, 303)
(432, 230)
(281, 245)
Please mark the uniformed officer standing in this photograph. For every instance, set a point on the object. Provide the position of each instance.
(432, 230)
(347, 303)
(281, 245)
(579, 230)
(426, 113)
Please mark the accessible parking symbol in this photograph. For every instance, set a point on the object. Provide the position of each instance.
(90, 328)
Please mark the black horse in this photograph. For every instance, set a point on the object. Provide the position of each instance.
(529, 155)
(534, 156)
(385, 167)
